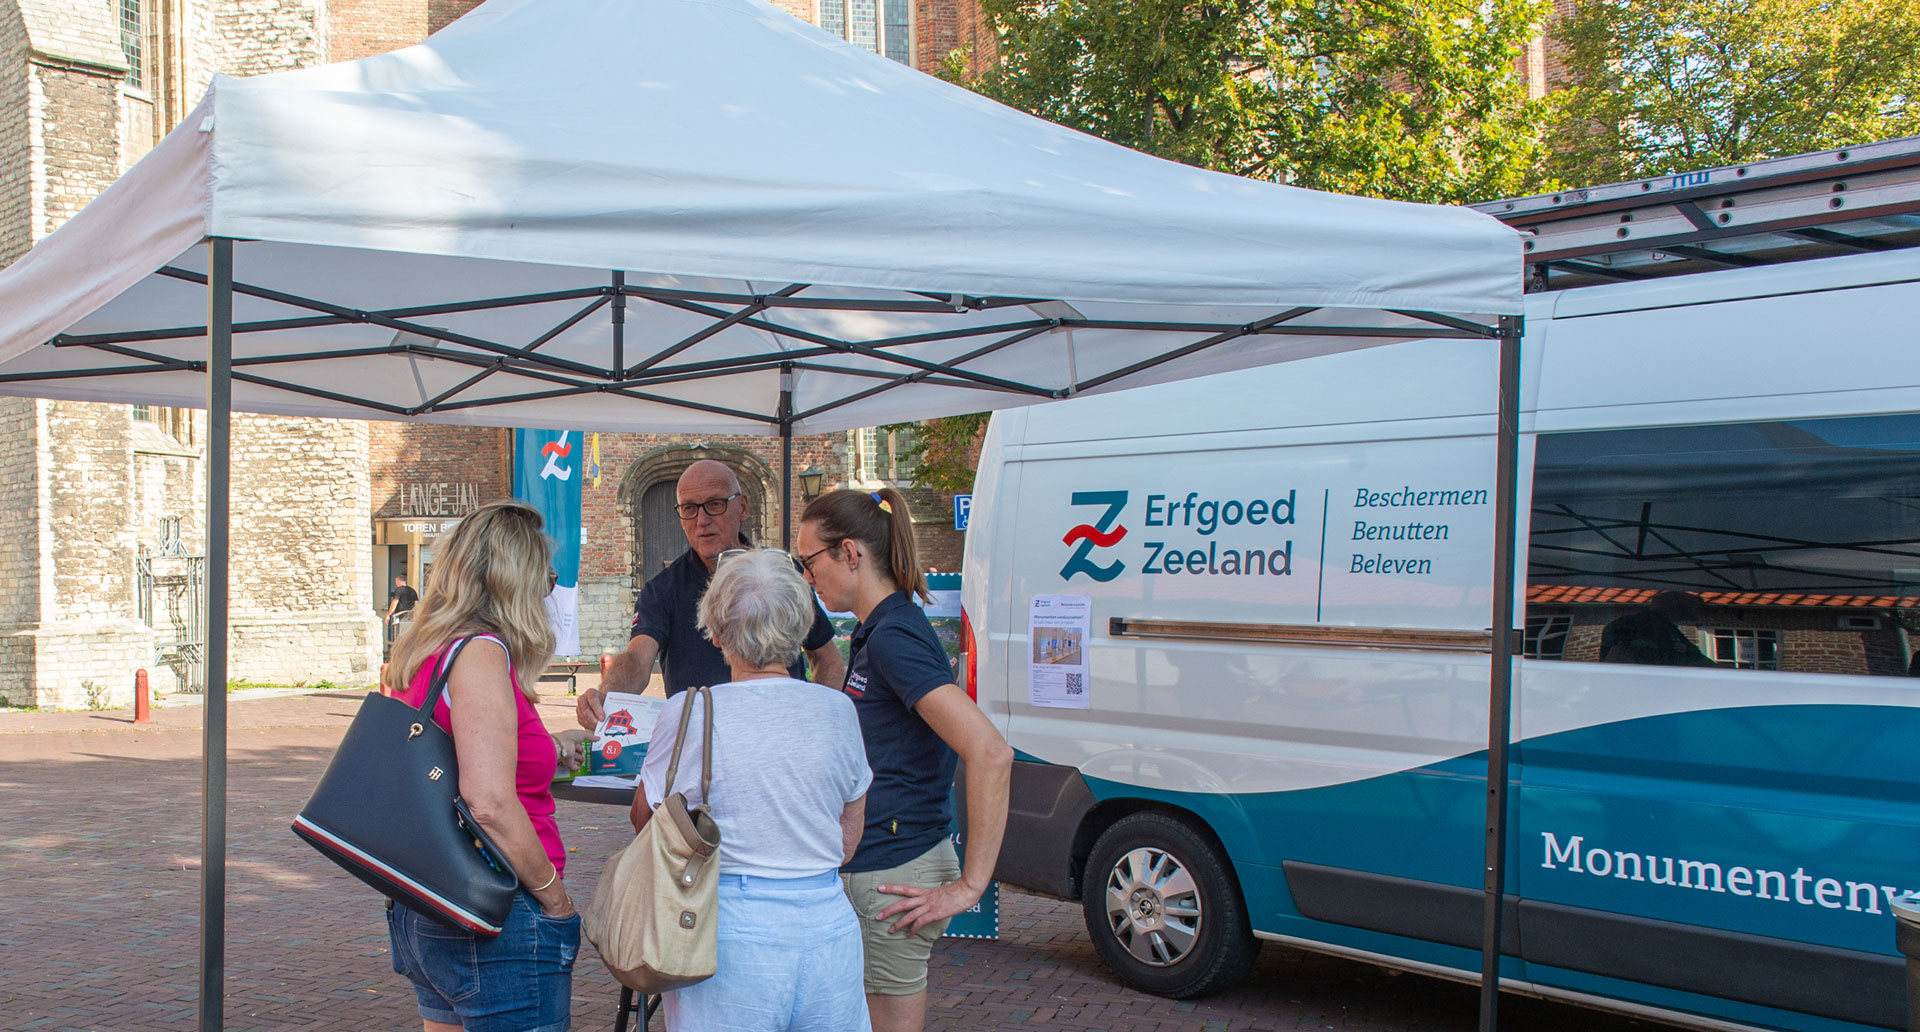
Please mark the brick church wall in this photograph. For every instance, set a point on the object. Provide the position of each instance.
(260, 36)
(404, 454)
(301, 570)
(16, 137)
(362, 28)
(78, 160)
(87, 640)
(19, 548)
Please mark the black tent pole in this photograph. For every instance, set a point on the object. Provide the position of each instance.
(213, 775)
(619, 370)
(1500, 683)
(786, 457)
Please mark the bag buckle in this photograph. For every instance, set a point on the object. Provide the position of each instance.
(414, 732)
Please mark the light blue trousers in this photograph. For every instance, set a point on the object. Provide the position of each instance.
(789, 960)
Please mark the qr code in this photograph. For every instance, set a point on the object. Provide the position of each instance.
(1076, 684)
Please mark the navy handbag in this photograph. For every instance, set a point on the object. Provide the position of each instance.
(388, 809)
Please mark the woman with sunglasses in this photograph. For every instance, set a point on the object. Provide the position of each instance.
(905, 882)
(487, 590)
(788, 792)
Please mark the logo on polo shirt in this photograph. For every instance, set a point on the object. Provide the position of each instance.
(857, 685)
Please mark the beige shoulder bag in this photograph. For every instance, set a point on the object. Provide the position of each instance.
(653, 914)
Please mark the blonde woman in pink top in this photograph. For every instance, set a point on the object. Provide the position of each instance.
(483, 607)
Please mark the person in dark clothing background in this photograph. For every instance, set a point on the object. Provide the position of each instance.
(400, 600)
(1652, 636)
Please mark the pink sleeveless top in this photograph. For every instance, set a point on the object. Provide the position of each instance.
(537, 755)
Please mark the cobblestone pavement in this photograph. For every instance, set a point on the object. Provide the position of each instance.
(99, 881)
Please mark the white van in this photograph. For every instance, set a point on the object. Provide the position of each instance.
(1234, 630)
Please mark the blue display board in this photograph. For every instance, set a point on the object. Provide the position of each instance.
(983, 921)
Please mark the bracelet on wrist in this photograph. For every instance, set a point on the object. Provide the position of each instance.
(548, 883)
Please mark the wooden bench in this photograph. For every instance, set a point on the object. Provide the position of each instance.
(568, 670)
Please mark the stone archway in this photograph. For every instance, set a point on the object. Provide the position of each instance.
(663, 466)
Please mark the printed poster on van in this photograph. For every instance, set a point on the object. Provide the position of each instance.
(1057, 627)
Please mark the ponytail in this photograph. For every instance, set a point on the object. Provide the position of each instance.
(881, 522)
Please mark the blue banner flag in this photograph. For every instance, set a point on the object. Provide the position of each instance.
(546, 475)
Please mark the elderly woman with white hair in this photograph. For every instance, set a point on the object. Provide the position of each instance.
(789, 793)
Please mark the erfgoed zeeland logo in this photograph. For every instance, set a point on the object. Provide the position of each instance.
(1105, 533)
(1204, 536)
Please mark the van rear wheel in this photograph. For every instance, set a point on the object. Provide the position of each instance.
(1163, 909)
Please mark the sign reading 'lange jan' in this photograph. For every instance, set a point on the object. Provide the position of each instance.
(439, 499)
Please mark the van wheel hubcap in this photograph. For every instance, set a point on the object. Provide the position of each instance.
(1153, 906)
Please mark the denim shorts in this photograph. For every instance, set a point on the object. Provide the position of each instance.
(788, 961)
(519, 981)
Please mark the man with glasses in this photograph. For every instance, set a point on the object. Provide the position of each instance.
(713, 511)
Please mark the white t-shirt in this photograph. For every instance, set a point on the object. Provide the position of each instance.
(787, 759)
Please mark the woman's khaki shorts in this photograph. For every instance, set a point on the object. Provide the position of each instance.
(897, 961)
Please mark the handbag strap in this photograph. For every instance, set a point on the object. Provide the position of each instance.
(706, 743)
(442, 674)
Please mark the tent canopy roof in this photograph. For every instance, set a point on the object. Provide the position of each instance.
(698, 215)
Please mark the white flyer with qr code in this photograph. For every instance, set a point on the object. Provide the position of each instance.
(1057, 627)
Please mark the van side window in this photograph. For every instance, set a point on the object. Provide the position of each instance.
(1790, 546)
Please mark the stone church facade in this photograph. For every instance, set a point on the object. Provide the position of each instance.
(102, 507)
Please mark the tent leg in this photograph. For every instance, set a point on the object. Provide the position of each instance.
(786, 486)
(1500, 684)
(786, 458)
(213, 814)
(619, 370)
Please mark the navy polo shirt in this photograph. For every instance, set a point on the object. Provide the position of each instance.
(667, 612)
(894, 660)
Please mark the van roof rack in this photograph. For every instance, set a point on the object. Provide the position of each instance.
(1842, 201)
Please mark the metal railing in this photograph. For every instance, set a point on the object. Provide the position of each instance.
(172, 598)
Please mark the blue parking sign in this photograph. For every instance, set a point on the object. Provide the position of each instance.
(962, 511)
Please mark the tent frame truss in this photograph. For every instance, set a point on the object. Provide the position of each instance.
(725, 310)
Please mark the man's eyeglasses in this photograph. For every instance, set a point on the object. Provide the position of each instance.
(714, 506)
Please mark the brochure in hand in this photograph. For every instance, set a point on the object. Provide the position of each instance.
(620, 741)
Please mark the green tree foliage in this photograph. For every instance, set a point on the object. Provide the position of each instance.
(1414, 100)
(943, 453)
(1410, 99)
(1661, 86)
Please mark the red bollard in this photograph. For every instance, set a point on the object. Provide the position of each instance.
(142, 705)
(606, 663)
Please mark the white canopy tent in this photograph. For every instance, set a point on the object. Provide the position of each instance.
(691, 215)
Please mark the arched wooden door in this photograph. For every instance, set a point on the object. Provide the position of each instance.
(662, 540)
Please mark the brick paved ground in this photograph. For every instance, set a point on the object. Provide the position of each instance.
(99, 858)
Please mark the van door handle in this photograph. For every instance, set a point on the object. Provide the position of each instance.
(1411, 639)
